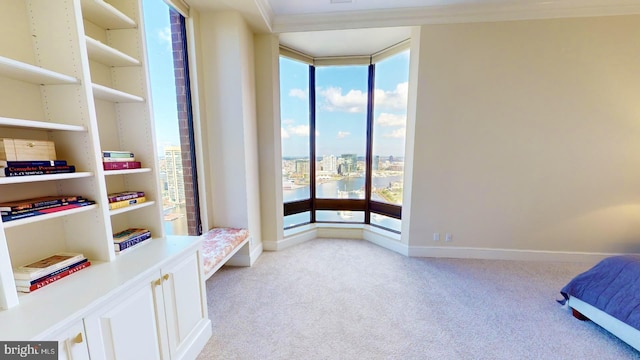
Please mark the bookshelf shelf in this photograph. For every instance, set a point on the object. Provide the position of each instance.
(43, 125)
(127, 172)
(132, 208)
(106, 93)
(34, 219)
(105, 15)
(107, 55)
(33, 74)
(37, 178)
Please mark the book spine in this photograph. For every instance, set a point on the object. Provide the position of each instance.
(42, 278)
(121, 165)
(39, 201)
(117, 154)
(42, 207)
(30, 274)
(128, 234)
(37, 170)
(31, 213)
(33, 163)
(125, 203)
(117, 159)
(125, 196)
(55, 278)
(133, 241)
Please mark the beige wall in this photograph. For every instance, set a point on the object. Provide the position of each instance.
(226, 78)
(267, 50)
(527, 136)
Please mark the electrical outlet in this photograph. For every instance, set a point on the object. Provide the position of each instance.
(436, 236)
(448, 237)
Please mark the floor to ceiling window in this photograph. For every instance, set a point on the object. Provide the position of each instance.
(343, 131)
(296, 164)
(169, 81)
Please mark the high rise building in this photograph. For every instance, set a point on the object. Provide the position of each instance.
(350, 163)
(175, 180)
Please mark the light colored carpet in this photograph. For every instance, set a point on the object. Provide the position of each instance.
(350, 299)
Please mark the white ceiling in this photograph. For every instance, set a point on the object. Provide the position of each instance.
(353, 42)
(290, 7)
(320, 28)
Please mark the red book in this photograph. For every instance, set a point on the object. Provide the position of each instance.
(54, 278)
(121, 165)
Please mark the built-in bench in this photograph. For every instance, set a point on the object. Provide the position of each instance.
(219, 245)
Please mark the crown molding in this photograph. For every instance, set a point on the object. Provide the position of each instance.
(266, 11)
(450, 14)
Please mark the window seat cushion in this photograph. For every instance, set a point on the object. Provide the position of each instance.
(219, 245)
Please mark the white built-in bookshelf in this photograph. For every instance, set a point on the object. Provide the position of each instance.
(75, 72)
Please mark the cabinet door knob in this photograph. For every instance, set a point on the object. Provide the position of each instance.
(165, 277)
(77, 339)
(156, 282)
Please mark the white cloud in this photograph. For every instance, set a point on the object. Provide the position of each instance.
(386, 119)
(354, 101)
(298, 130)
(397, 133)
(299, 93)
(343, 134)
(164, 35)
(394, 99)
(288, 121)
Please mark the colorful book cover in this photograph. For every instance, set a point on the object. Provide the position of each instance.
(121, 165)
(8, 163)
(131, 242)
(117, 154)
(125, 203)
(37, 170)
(32, 213)
(5, 213)
(37, 202)
(117, 159)
(125, 195)
(53, 279)
(46, 265)
(27, 283)
(127, 234)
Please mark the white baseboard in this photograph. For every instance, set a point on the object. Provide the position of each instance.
(385, 239)
(504, 254)
(292, 237)
(391, 241)
(255, 254)
(197, 342)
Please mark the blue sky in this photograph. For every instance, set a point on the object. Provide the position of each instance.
(341, 99)
(160, 58)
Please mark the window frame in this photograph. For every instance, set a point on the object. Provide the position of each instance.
(313, 204)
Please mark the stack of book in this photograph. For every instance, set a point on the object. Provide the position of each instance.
(119, 160)
(35, 167)
(129, 238)
(124, 199)
(48, 270)
(14, 210)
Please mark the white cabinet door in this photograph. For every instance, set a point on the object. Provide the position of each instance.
(72, 344)
(129, 327)
(184, 303)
